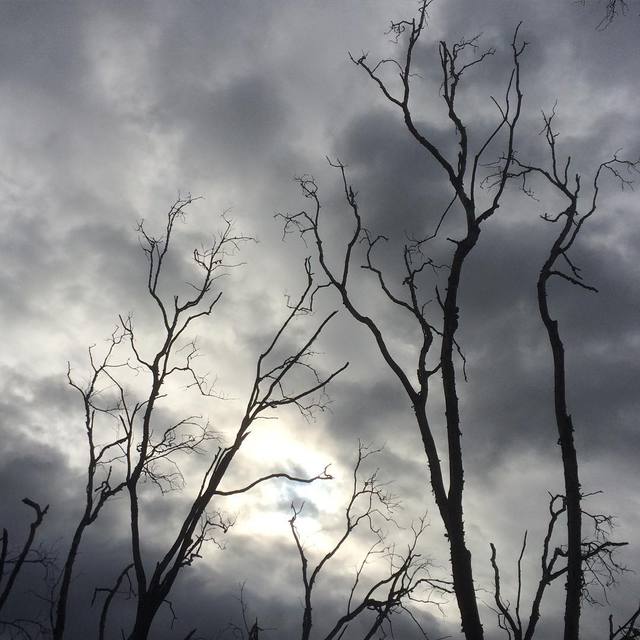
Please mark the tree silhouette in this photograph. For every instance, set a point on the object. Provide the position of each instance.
(463, 176)
(148, 451)
(477, 188)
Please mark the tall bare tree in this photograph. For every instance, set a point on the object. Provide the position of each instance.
(597, 562)
(560, 264)
(100, 466)
(464, 176)
(389, 578)
(13, 562)
(16, 563)
(372, 506)
(150, 453)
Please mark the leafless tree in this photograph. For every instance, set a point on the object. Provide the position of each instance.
(100, 466)
(111, 593)
(148, 453)
(464, 176)
(596, 557)
(12, 564)
(139, 451)
(559, 264)
(408, 579)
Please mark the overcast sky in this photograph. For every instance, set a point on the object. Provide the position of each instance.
(110, 110)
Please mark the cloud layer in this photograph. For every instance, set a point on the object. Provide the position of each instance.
(111, 110)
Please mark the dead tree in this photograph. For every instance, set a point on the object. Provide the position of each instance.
(464, 179)
(559, 264)
(149, 454)
(11, 565)
(408, 579)
(111, 593)
(100, 467)
(596, 557)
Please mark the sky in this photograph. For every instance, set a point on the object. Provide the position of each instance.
(111, 111)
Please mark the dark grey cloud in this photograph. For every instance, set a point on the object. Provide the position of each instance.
(110, 111)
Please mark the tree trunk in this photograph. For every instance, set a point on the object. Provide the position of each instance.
(570, 467)
(463, 586)
(146, 612)
(461, 567)
(65, 583)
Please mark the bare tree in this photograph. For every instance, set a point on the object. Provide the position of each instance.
(596, 558)
(559, 264)
(149, 453)
(408, 579)
(143, 450)
(465, 180)
(111, 593)
(12, 565)
(100, 467)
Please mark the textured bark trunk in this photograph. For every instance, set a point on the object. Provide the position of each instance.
(461, 567)
(463, 586)
(65, 583)
(570, 467)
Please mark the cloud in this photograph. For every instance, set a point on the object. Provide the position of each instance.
(110, 111)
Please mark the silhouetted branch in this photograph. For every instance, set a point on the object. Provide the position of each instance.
(111, 593)
(571, 221)
(101, 459)
(512, 625)
(456, 61)
(596, 556)
(369, 502)
(22, 557)
(322, 476)
(629, 630)
(152, 453)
